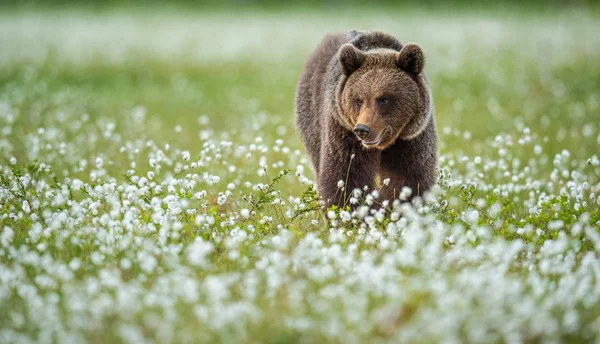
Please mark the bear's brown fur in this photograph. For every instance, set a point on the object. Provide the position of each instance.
(364, 108)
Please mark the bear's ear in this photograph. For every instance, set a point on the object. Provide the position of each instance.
(350, 58)
(411, 59)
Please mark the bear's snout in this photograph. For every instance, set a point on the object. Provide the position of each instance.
(362, 131)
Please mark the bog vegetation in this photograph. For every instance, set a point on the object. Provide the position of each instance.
(153, 187)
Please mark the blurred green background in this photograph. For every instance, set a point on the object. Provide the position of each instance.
(308, 4)
(229, 69)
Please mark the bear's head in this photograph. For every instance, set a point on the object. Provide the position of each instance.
(385, 96)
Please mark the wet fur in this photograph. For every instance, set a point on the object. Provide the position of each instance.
(325, 116)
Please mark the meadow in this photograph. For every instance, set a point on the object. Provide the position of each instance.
(153, 187)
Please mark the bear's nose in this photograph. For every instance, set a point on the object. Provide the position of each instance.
(362, 130)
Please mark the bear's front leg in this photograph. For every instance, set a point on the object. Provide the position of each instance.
(350, 163)
(392, 190)
(408, 163)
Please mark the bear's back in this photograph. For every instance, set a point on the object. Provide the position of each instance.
(310, 93)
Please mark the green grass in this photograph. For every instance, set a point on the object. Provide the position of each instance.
(505, 250)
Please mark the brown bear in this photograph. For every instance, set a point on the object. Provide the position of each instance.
(364, 109)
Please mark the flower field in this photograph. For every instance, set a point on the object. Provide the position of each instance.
(153, 187)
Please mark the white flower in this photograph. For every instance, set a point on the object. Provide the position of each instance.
(405, 193)
(6, 236)
(75, 263)
(345, 216)
(245, 213)
(221, 199)
(197, 251)
(361, 212)
(147, 262)
(555, 225)
(26, 207)
(185, 155)
(13, 160)
(495, 210)
(471, 216)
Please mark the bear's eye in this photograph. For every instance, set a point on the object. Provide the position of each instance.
(358, 102)
(383, 101)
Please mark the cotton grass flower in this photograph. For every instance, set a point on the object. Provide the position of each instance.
(198, 251)
(106, 224)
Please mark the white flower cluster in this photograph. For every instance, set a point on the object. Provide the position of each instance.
(109, 233)
(148, 248)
